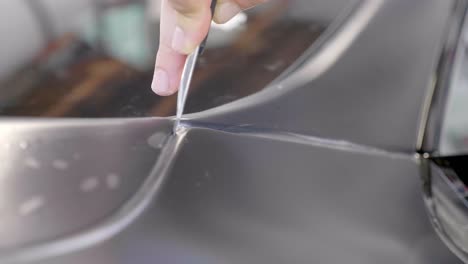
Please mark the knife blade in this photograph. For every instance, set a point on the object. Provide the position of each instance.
(187, 73)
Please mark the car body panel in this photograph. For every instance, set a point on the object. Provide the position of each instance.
(319, 166)
(287, 199)
(373, 94)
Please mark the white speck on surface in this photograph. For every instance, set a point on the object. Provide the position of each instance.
(23, 145)
(274, 66)
(32, 205)
(60, 164)
(112, 181)
(89, 184)
(157, 140)
(280, 87)
(32, 163)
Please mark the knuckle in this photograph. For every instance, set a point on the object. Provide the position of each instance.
(186, 7)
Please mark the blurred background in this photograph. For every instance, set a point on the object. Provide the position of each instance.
(95, 58)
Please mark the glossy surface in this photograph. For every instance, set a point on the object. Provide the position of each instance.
(60, 178)
(454, 132)
(236, 185)
(432, 117)
(245, 202)
(447, 202)
(367, 83)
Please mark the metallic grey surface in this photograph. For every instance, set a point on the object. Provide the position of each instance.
(185, 81)
(343, 188)
(372, 93)
(250, 199)
(58, 177)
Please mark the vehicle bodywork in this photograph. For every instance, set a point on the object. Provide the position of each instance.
(320, 166)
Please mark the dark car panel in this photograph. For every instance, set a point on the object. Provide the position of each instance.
(309, 138)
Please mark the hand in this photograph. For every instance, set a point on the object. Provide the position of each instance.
(184, 25)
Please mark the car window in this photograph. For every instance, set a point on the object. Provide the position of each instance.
(96, 58)
(454, 136)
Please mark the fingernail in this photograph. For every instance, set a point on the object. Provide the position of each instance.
(226, 11)
(160, 83)
(179, 41)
